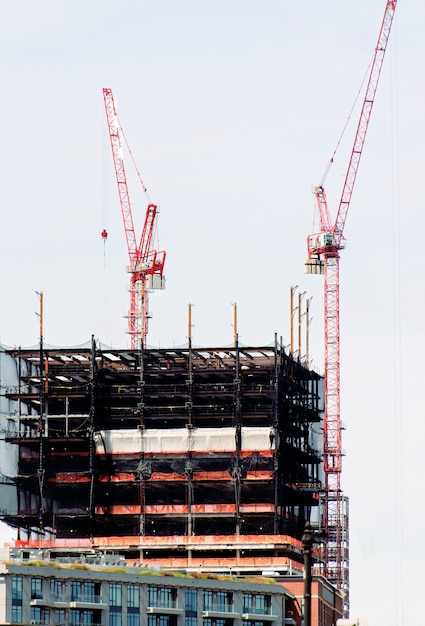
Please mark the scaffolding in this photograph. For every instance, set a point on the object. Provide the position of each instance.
(179, 458)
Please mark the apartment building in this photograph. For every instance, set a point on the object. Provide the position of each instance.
(59, 594)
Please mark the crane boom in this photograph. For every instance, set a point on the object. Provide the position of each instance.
(116, 139)
(323, 258)
(363, 124)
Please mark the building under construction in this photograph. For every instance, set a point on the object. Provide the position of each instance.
(179, 458)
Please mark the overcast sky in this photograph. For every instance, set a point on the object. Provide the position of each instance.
(232, 110)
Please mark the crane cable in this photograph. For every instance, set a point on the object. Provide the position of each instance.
(104, 203)
(144, 188)
(331, 160)
(398, 418)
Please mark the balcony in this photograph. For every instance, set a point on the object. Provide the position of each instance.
(264, 617)
(171, 608)
(219, 610)
(87, 601)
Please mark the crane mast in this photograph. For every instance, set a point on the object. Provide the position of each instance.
(146, 265)
(323, 258)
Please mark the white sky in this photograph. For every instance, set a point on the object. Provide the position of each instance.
(232, 110)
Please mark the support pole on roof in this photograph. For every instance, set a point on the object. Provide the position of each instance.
(41, 420)
(91, 436)
(237, 470)
(277, 352)
(189, 425)
(141, 471)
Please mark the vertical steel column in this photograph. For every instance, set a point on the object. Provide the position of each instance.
(189, 425)
(141, 469)
(91, 436)
(41, 422)
(275, 425)
(237, 470)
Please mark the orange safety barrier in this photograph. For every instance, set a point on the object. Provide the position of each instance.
(212, 476)
(268, 562)
(259, 475)
(119, 477)
(172, 476)
(199, 540)
(257, 508)
(247, 542)
(69, 477)
(181, 509)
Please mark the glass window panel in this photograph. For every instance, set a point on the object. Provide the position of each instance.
(16, 587)
(16, 614)
(115, 594)
(75, 590)
(115, 619)
(247, 602)
(133, 619)
(207, 600)
(191, 600)
(74, 617)
(133, 596)
(88, 591)
(36, 588)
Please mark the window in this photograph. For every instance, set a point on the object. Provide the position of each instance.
(56, 589)
(133, 619)
(17, 614)
(224, 601)
(60, 617)
(40, 615)
(80, 618)
(247, 602)
(17, 588)
(191, 602)
(74, 617)
(133, 596)
(115, 618)
(88, 592)
(36, 588)
(159, 620)
(258, 604)
(215, 622)
(163, 597)
(115, 598)
(207, 600)
(75, 590)
(86, 617)
(217, 601)
(191, 621)
(115, 604)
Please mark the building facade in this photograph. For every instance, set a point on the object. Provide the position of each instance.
(42, 594)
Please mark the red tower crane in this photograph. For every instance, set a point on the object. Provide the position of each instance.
(323, 258)
(146, 264)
